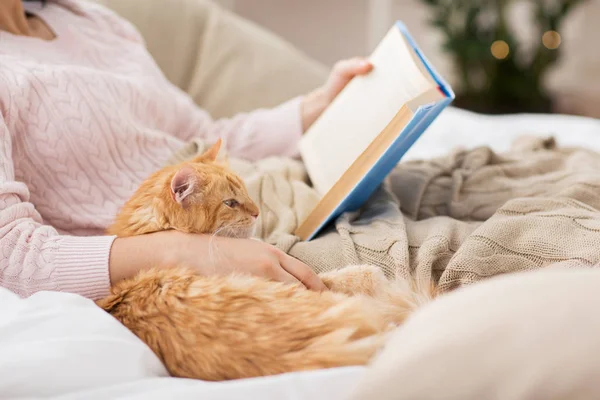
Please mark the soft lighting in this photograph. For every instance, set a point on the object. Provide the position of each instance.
(500, 49)
(551, 40)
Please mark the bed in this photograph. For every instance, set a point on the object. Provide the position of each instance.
(61, 345)
(58, 344)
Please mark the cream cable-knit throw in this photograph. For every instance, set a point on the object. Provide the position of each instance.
(457, 219)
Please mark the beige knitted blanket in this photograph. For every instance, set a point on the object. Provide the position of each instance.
(455, 220)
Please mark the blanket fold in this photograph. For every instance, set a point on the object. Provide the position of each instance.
(455, 220)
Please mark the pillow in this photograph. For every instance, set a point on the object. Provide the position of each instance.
(226, 63)
(55, 343)
(525, 336)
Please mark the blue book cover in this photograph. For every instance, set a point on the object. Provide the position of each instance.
(421, 119)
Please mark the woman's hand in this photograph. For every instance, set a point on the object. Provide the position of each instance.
(227, 255)
(209, 256)
(315, 102)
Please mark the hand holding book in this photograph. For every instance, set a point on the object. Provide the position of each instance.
(365, 130)
(342, 73)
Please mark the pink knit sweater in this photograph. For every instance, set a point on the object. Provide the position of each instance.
(83, 120)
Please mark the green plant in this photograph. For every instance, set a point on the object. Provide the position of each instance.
(508, 80)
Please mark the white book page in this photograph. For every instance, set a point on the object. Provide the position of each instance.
(362, 111)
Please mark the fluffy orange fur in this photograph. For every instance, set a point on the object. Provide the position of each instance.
(239, 326)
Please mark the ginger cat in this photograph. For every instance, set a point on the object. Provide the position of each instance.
(239, 326)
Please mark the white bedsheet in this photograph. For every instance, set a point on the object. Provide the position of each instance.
(61, 345)
(456, 127)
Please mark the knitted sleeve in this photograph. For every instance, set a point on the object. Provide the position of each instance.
(34, 256)
(251, 136)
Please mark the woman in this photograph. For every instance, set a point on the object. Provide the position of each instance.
(85, 116)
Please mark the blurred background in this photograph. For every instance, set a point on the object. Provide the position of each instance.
(501, 56)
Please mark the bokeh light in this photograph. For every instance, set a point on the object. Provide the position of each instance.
(500, 49)
(551, 40)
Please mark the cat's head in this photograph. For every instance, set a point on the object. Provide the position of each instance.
(205, 196)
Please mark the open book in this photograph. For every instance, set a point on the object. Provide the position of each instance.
(365, 131)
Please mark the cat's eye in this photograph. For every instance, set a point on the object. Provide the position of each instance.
(231, 203)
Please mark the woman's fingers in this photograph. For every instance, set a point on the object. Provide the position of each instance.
(281, 275)
(347, 69)
(301, 272)
(343, 72)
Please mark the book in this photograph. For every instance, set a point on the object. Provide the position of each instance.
(363, 134)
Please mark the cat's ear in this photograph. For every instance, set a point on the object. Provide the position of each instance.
(184, 183)
(211, 154)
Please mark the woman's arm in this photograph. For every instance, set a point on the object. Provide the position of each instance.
(253, 135)
(266, 132)
(34, 256)
(207, 255)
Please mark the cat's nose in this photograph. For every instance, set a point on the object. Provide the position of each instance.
(255, 214)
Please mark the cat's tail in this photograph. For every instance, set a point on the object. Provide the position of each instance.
(395, 299)
(403, 297)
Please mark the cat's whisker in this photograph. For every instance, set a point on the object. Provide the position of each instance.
(212, 245)
(233, 229)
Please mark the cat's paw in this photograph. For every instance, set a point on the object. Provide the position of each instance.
(356, 279)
